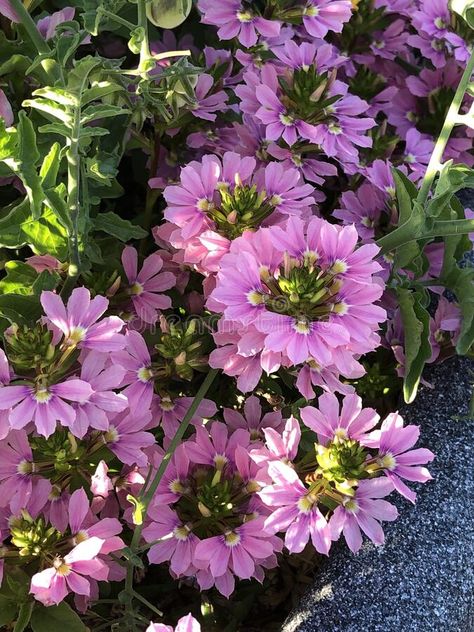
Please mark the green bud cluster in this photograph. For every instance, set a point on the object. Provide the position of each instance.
(30, 348)
(342, 461)
(33, 536)
(241, 208)
(184, 348)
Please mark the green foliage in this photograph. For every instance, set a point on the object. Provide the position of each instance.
(416, 330)
(55, 618)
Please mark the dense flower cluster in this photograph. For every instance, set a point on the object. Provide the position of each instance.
(275, 162)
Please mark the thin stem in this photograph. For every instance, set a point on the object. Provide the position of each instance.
(149, 605)
(116, 18)
(143, 23)
(30, 27)
(147, 497)
(449, 123)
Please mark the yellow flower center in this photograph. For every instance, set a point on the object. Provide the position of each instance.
(42, 395)
(232, 538)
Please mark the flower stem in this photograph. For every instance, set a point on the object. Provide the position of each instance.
(48, 65)
(449, 123)
(148, 494)
(143, 23)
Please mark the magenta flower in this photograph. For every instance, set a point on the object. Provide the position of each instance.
(18, 482)
(84, 525)
(178, 542)
(45, 405)
(207, 102)
(238, 550)
(78, 321)
(236, 21)
(169, 412)
(136, 361)
(395, 457)
(279, 446)
(70, 573)
(102, 379)
(326, 378)
(331, 422)
(185, 624)
(363, 208)
(126, 437)
(445, 326)
(6, 112)
(297, 513)
(47, 26)
(248, 292)
(418, 150)
(322, 16)
(213, 446)
(363, 512)
(252, 419)
(146, 286)
(8, 11)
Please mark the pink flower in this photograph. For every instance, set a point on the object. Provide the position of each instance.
(8, 11)
(43, 262)
(322, 16)
(169, 412)
(253, 421)
(78, 322)
(297, 513)
(395, 457)
(185, 624)
(146, 286)
(444, 327)
(332, 423)
(363, 512)
(126, 437)
(236, 21)
(6, 112)
(363, 208)
(18, 483)
(70, 573)
(84, 525)
(213, 446)
(279, 446)
(207, 101)
(102, 379)
(274, 299)
(47, 26)
(178, 542)
(238, 550)
(136, 361)
(45, 405)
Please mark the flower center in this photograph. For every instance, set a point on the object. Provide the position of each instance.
(306, 503)
(81, 536)
(166, 404)
(232, 538)
(286, 119)
(136, 289)
(112, 435)
(255, 297)
(181, 533)
(42, 395)
(61, 567)
(311, 11)
(76, 335)
(387, 461)
(351, 505)
(440, 23)
(244, 16)
(144, 374)
(25, 467)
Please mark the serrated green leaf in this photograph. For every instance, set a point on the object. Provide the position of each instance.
(43, 235)
(99, 91)
(97, 112)
(114, 225)
(8, 141)
(136, 39)
(19, 278)
(27, 157)
(56, 202)
(50, 109)
(461, 283)
(55, 128)
(56, 618)
(58, 95)
(15, 64)
(416, 327)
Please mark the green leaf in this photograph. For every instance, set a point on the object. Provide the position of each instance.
(461, 283)
(57, 203)
(58, 95)
(23, 310)
(416, 326)
(8, 141)
(114, 225)
(50, 109)
(50, 167)
(464, 8)
(28, 156)
(8, 610)
(53, 618)
(407, 210)
(19, 278)
(100, 90)
(24, 616)
(97, 112)
(136, 38)
(43, 235)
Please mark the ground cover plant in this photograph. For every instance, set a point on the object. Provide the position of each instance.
(231, 240)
